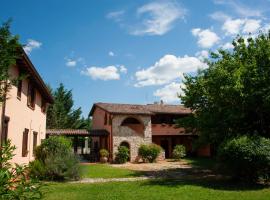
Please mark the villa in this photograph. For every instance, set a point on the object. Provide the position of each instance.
(131, 125)
(23, 114)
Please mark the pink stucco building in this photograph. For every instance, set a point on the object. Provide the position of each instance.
(23, 115)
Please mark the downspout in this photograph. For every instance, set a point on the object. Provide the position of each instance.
(3, 112)
(111, 140)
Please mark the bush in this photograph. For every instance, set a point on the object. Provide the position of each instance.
(246, 157)
(149, 152)
(55, 160)
(103, 153)
(179, 152)
(122, 155)
(14, 181)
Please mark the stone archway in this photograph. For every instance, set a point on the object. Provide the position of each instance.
(134, 124)
(126, 144)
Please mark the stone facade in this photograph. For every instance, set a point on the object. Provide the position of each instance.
(126, 134)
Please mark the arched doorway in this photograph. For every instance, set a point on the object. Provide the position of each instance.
(126, 144)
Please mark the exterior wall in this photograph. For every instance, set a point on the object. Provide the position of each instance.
(98, 120)
(126, 134)
(21, 117)
(166, 129)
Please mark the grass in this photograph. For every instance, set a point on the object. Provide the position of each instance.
(201, 162)
(106, 171)
(184, 190)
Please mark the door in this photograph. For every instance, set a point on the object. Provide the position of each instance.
(165, 145)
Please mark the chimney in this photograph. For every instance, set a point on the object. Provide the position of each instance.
(161, 102)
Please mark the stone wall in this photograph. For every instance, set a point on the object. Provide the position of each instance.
(126, 134)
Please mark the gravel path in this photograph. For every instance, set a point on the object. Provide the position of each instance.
(105, 180)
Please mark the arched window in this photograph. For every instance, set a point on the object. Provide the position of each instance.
(130, 120)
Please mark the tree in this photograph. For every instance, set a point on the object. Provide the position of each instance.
(9, 52)
(61, 114)
(232, 96)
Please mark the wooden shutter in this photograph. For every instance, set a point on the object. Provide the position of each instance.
(19, 89)
(25, 143)
(34, 140)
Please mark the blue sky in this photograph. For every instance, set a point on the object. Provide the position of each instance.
(128, 51)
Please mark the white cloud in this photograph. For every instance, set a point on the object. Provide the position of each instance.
(227, 46)
(202, 54)
(251, 26)
(237, 26)
(31, 44)
(111, 54)
(116, 15)
(242, 9)
(158, 18)
(169, 93)
(102, 73)
(122, 69)
(71, 63)
(219, 16)
(206, 37)
(167, 69)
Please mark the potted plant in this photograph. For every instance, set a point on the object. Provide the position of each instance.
(103, 155)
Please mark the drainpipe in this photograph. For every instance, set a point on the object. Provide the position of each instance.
(3, 112)
(111, 139)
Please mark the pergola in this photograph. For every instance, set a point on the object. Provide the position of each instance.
(79, 137)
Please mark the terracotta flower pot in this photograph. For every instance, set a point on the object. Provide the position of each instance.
(103, 159)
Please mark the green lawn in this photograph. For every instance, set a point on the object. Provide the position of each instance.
(105, 171)
(201, 162)
(168, 190)
(188, 189)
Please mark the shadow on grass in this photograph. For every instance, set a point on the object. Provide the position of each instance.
(227, 185)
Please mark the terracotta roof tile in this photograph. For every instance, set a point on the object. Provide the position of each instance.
(149, 109)
(67, 132)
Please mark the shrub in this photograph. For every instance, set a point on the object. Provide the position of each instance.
(14, 181)
(149, 152)
(246, 157)
(179, 152)
(55, 160)
(103, 153)
(122, 155)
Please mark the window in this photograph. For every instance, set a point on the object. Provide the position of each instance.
(25, 143)
(43, 105)
(19, 89)
(34, 140)
(105, 119)
(31, 95)
(5, 130)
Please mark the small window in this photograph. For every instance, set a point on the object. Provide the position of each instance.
(31, 95)
(34, 140)
(43, 106)
(4, 133)
(105, 119)
(19, 89)
(25, 143)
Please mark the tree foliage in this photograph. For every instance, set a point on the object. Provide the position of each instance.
(232, 96)
(61, 114)
(14, 180)
(9, 46)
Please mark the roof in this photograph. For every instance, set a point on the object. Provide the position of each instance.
(79, 132)
(25, 63)
(99, 132)
(149, 109)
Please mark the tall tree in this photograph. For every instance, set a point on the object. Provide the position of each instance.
(9, 52)
(232, 96)
(61, 114)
